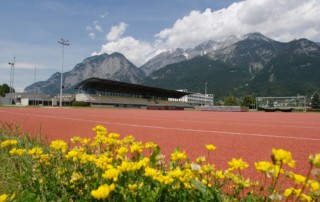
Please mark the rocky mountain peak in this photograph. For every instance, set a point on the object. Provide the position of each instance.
(305, 46)
(257, 36)
(114, 66)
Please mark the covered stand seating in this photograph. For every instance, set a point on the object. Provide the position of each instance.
(104, 92)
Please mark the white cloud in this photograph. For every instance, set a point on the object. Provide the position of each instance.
(22, 65)
(116, 32)
(92, 35)
(136, 51)
(283, 20)
(98, 28)
(103, 15)
(92, 30)
(88, 28)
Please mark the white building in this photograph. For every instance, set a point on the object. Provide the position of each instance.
(195, 98)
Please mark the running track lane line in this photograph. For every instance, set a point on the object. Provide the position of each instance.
(207, 122)
(178, 129)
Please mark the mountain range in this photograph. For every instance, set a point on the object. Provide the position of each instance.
(252, 64)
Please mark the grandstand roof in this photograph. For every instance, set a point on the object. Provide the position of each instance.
(122, 87)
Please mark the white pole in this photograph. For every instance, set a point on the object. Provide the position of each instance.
(11, 86)
(63, 43)
(34, 88)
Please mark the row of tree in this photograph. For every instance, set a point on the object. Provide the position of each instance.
(249, 101)
(4, 88)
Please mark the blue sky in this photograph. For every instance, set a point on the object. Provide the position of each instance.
(139, 29)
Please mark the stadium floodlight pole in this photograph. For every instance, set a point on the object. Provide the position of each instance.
(63, 43)
(205, 93)
(11, 91)
(34, 88)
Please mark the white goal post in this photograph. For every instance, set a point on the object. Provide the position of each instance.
(297, 102)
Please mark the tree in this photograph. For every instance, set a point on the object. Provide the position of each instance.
(230, 101)
(248, 101)
(4, 88)
(315, 101)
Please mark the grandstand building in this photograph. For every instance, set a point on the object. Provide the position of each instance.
(109, 93)
(195, 98)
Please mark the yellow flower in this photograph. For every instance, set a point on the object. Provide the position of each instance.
(100, 130)
(177, 155)
(175, 173)
(282, 156)
(275, 171)
(18, 152)
(133, 187)
(142, 163)
(73, 154)
(111, 173)
(125, 166)
(236, 164)
(201, 159)
(315, 186)
(211, 147)
(75, 139)
(208, 168)
(150, 145)
(113, 135)
(75, 176)
(35, 151)
(129, 139)
(44, 159)
(305, 197)
(288, 192)
(315, 160)
(136, 147)
(3, 197)
(122, 151)
(298, 179)
(150, 172)
(59, 145)
(102, 192)
(85, 141)
(220, 174)
(103, 162)
(8, 143)
(263, 166)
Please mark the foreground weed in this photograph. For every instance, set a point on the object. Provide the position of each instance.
(108, 168)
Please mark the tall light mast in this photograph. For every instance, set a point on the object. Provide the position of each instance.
(11, 85)
(63, 43)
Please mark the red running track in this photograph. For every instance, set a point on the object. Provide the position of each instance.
(247, 135)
